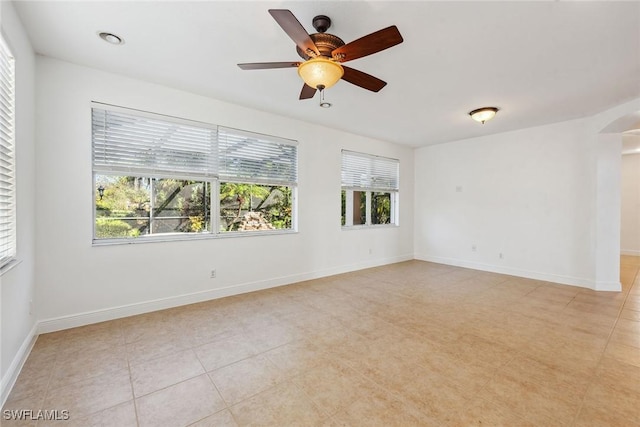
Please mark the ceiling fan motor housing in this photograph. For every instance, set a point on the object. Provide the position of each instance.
(325, 42)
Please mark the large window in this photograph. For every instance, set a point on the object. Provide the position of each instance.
(369, 190)
(157, 176)
(7, 157)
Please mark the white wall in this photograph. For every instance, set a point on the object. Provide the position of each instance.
(78, 283)
(630, 215)
(528, 194)
(17, 285)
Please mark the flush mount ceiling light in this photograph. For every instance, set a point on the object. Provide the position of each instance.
(320, 72)
(111, 38)
(483, 114)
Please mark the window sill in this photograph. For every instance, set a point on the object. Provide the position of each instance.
(9, 266)
(190, 237)
(368, 227)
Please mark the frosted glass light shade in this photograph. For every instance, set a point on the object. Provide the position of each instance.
(320, 72)
(483, 114)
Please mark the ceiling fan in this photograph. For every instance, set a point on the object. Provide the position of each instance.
(324, 53)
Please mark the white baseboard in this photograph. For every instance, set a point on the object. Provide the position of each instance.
(632, 252)
(9, 379)
(86, 318)
(554, 278)
(608, 286)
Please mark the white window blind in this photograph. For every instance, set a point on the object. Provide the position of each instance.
(147, 144)
(366, 171)
(7, 158)
(256, 158)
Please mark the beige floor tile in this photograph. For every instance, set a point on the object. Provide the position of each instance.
(485, 413)
(614, 400)
(282, 405)
(296, 356)
(21, 412)
(599, 417)
(90, 338)
(123, 415)
(383, 409)
(31, 382)
(435, 395)
(471, 348)
(624, 353)
(271, 336)
(628, 325)
(246, 378)
(219, 419)
(180, 404)
(138, 327)
(632, 303)
(631, 339)
(573, 381)
(81, 365)
(155, 374)
(47, 345)
(333, 386)
(536, 403)
(224, 351)
(152, 346)
(92, 395)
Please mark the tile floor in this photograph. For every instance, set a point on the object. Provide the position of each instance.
(413, 343)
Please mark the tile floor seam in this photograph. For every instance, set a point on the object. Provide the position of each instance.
(226, 405)
(133, 396)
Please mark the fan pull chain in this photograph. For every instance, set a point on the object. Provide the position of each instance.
(323, 103)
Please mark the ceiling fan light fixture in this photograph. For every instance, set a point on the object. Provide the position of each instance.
(483, 114)
(320, 71)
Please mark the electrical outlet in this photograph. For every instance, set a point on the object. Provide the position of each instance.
(458, 188)
(473, 248)
(213, 274)
(500, 255)
(30, 306)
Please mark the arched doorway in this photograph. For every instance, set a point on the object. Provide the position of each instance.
(608, 194)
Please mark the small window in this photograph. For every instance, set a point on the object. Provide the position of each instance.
(369, 190)
(7, 157)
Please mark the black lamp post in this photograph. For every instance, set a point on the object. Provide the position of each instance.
(101, 191)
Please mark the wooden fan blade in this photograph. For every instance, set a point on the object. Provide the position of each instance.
(307, 92)
(294, 29)
(368, 45)
(267, 65)
(363, 80)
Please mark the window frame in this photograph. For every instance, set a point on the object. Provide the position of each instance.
(8, 237)
(213, 180)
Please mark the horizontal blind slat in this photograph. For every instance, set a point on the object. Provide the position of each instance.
(365, 171)
(246, 156)
(7, 159)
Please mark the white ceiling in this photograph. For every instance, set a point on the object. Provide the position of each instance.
(539, 62)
